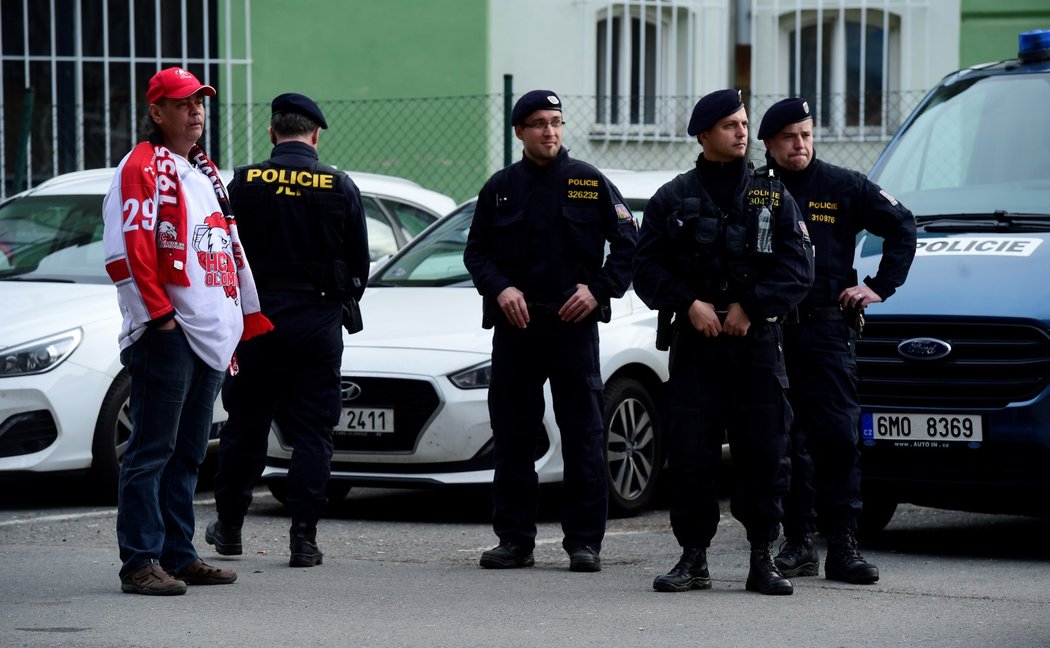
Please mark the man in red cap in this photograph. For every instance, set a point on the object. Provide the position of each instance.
(187, 297)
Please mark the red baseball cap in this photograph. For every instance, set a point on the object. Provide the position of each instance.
(175, 83)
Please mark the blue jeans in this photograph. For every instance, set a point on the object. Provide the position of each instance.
(172, 397)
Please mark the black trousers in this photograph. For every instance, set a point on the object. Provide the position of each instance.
(522, 360)
(825, 470)
(291, 376)
(735, 386)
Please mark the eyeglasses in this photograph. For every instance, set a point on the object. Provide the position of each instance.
(542, 125)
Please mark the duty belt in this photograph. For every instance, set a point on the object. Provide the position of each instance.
(815, 314)
(769, 320)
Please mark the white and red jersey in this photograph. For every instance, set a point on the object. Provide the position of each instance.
(209, 308)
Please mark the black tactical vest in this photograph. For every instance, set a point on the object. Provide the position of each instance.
(720, 252)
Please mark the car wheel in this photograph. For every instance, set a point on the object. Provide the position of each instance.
(335, 491)
(633, 452)
(877, 512)
(112, 431)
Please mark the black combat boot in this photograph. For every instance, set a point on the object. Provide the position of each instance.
(303, 545)
(844, 562)
(226, 538)
(507, 555)
(690, 573)
(763, 577)
(798, 557)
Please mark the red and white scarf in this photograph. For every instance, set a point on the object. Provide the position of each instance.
(156, 175)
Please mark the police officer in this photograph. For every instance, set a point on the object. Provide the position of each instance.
(304, 223)
(820, 340)
(536, 251)
(723, 249)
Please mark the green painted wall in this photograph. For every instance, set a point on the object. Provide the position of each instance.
(370, 49)
(989, 28)
(370, 65)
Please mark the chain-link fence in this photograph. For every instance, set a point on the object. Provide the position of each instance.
(450, 144)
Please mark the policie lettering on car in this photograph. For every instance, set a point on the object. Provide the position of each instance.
(288, 181)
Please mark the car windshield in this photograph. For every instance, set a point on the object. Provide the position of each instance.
(435, 258)
(52, 238)
(979, 146)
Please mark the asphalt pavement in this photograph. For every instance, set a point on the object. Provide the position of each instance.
(400, 569)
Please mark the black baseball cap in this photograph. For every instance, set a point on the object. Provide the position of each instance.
(293, 102)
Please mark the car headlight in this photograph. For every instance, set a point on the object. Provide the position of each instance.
(476, 377)
(38, 356)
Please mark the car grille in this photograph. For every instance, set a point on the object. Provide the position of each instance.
(27, 433)
(991, 364)
(482, 460)
(413, 402)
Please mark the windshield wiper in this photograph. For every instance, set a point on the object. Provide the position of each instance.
(999, 220)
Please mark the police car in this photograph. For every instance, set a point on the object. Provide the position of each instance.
(955, 367)
(63, 392)
(415, 381)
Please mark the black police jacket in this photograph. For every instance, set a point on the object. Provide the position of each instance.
(693, 246)
(837, 204)
(543, 229)
(301, 223)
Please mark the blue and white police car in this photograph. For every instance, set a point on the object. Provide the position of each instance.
(955, 368)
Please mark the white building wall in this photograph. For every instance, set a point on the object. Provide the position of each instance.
(921, 52)
(929, 39)
(551, 44)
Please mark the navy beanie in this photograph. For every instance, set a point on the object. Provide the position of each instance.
(783, 113)
(713, 107)
(532, 101)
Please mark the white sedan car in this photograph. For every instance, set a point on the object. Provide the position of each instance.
(415, 381)
(63, 392)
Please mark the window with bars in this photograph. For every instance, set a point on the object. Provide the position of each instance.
(644, 52)
(74, 76)
(845, 62)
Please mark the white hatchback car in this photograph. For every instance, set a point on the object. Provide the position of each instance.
(63, 393)
(415, 381)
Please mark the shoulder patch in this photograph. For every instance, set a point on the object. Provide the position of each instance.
(624, 215)
(891, 199)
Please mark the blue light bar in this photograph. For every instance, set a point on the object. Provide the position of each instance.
(1033, 45)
